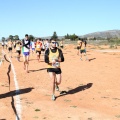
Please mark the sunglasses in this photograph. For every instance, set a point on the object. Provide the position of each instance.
(53, 42)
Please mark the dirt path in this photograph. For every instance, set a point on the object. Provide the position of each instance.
(92, 89)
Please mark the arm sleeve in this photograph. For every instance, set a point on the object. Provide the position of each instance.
(47, 56)
(61, 55)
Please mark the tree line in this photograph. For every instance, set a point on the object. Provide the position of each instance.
(32, 37)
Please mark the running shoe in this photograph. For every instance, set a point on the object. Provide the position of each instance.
(53, 97)
(80, 58)
(57, 88)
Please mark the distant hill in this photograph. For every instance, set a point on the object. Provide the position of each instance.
(104, 34)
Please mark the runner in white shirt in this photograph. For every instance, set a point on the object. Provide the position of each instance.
(32, 44)
(26, 52)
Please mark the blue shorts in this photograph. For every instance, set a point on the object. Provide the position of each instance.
(33, 49)
(26, 53)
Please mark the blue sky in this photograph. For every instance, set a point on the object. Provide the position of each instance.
(42, 17)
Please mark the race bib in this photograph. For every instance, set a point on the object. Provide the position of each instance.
(18, 48)
(38, 46)
(56, 64)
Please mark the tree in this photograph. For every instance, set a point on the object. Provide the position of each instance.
(3, 38)
(11, 37)
(31, 37)
(16, 37)
(55, 37)
(67, 36)
(73, 37)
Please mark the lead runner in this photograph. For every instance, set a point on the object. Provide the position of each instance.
(53, 57)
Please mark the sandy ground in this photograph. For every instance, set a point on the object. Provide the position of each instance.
(90, 89)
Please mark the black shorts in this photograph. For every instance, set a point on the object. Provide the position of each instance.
(18, 51)
(42, 49)
(55, 70)
(83, 51)
(61, 46)
(38, 52)
(10, 48)
(78, 47)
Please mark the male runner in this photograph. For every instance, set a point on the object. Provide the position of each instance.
(26, 52)
(53, 57)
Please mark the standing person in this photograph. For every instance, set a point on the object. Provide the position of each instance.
(10, 45)
(53, 57)
(26, 52)
(83, 49)
(38, 48)
(18, 49)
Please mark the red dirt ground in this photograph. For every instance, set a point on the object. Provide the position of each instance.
(92, 88)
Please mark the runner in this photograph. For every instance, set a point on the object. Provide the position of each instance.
(47, 44)
(14, 43)
(3, 44)
(53, 57)
(32, 44)
(83, 49)
(18, 49)
(38, 48)
(10, 45)
(78, 46)
(43, 45)
(26, 52)
(61, 44)
(6, 44)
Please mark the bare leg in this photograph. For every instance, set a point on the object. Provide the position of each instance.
(24, 61)
(58, 79)
(38, 57)
(27, 63)
(81, 56)
(52, 77)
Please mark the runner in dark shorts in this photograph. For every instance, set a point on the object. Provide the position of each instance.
(53, 57)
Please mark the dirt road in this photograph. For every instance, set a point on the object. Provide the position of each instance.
(91, 89)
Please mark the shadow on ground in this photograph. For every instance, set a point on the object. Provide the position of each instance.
(37, 70)
(91, 59)
(76, 90)
(16, 92)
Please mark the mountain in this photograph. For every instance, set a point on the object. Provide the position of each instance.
(104, 34)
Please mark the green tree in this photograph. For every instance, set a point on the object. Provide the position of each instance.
(3, 38)
(55, 37)
(67, 36)
(73, 37)
(31, 37)
(11, 37)
(16, 37)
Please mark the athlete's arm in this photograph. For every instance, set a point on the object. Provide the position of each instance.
(61, 56)
(47, 56)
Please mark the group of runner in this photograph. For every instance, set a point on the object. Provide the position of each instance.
(53, 56)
